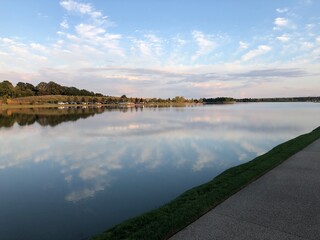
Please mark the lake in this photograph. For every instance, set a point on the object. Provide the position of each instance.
(73, 173)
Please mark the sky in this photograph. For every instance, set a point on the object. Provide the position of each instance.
(168, 48)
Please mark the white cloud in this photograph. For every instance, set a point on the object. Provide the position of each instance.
(281, 22)
(39, 47)
(93, 39)
(310, 26)
(305, 46)
(88, 31)
(283, 38)
(150, 46)
(7, 40)
(64, 24)
(142, 46)
(71, 5)
(205, 45)
(84, 9)
(156, 43)
(152, 38)
(18, 56)
(262, 49)
(282, 10)
(179, 41)
(90, 35)
(83, 42)
(60, 33)
(243, 45)
(111, 37)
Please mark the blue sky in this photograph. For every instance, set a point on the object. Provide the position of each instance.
(164, 48)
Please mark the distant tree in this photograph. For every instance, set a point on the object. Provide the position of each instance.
(51, 88)
(7, 89)
(179, 99)
(54, 88)
(123, 98)
(42, 89)
(4, 99)
(24, 90)
(71, 91)
(218, 100)
(84, 92)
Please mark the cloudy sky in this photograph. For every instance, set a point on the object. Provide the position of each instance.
(150, 48)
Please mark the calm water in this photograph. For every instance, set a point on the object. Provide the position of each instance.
(69, 174)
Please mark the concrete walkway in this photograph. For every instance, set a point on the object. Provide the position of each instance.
(282, 204)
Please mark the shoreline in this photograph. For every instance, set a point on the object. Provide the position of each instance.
(128, 105)
(164, 222)
(17, 106)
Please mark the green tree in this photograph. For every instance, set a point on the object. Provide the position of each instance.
(179, 99)
(123, 98)
(42, 89)
(54, 88)
(7, 89)
(25, 89)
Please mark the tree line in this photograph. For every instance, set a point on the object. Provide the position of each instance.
(218, 100)
(22, 89)
(71, 94)
(285, 99)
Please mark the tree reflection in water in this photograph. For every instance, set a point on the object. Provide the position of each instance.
(52, 116)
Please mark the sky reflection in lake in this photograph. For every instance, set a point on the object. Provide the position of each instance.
(70, 174)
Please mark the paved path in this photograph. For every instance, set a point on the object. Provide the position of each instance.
(282, 204)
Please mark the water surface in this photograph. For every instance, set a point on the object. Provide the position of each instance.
(72, 173)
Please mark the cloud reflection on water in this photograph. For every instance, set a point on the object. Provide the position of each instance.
(91, 152)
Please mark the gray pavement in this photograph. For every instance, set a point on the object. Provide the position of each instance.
(282, 204)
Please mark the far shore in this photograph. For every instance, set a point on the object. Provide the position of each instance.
(49, 105)
(115, 105)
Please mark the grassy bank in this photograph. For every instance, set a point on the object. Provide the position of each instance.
(177, 214)
(51, 105)
(24, 106)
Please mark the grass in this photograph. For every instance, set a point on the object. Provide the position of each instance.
(167, 220)
(47, 100)
(28, 106)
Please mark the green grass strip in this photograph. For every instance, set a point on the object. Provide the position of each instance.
(165, 221)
